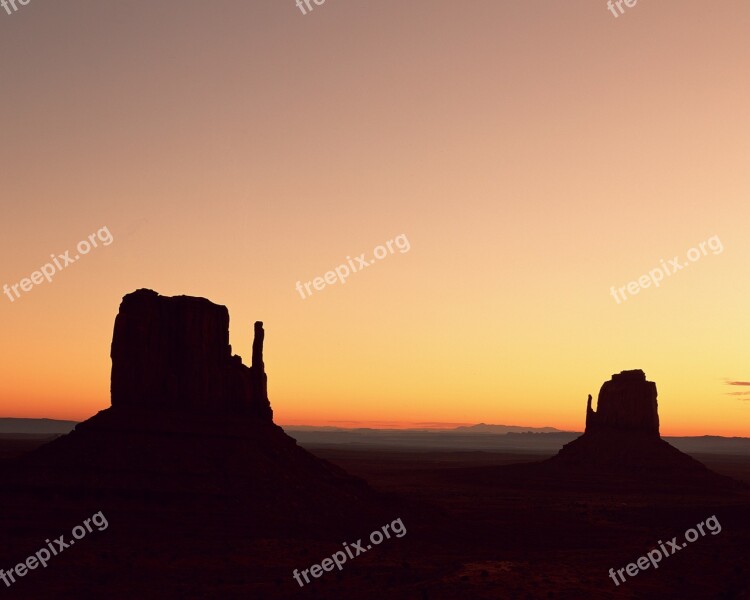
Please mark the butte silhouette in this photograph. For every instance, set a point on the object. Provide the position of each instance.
(622, 438)
(620, 450)
(191, 429)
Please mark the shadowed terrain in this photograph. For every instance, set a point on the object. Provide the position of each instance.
(206, 497)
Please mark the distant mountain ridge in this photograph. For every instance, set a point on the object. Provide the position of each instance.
(485, 428)
(455, 437)
(466, 429)
(36, 426)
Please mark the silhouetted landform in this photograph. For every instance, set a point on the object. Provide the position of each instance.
(36, 426)
(191, 426)
(480, 428)
(627, 402)
(622, 436)
(620, 452)
(488, 428)
(174, 353)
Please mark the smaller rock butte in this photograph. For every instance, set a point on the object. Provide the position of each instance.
(627, 402)
(622, 438)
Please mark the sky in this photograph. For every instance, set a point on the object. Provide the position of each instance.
(533, 155)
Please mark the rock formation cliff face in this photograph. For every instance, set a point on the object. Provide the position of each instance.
(627, 402)
(190, 436)
(622, 438)
(174, 353)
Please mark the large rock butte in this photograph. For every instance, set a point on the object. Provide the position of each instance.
(174, 354)
(190, 437)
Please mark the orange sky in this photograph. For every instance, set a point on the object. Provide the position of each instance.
(533, 154)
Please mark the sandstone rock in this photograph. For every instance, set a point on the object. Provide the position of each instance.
(189, 439)
(622, 438)
(174, 354)
(626, 402)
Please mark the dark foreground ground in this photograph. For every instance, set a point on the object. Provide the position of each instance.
(473, 531)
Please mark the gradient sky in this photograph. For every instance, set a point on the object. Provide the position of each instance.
(534, 154)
